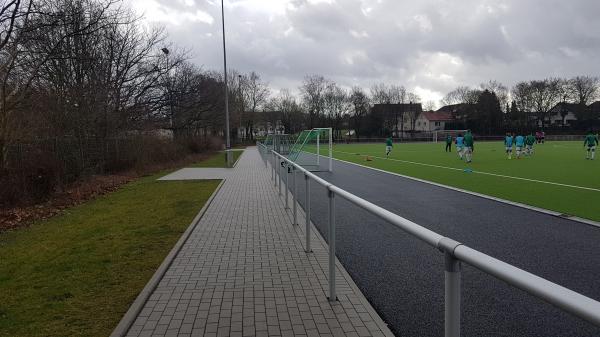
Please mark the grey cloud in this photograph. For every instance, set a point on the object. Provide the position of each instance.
(399, 42)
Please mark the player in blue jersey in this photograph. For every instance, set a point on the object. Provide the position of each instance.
(508, 143)
(519, 143)
(460, 145)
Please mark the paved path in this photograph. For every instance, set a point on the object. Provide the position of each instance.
(243, 272)
(403, 277)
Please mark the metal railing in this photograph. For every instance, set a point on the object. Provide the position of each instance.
(454, 252)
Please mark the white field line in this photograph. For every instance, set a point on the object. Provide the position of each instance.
(481, 172)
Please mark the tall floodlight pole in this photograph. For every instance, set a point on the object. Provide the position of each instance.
(227, 142)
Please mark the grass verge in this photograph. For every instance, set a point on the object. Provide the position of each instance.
(76, 274)
(218, 159)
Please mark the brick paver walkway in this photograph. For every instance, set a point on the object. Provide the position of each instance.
(243, 272)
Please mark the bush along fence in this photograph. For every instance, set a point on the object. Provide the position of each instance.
(32, 170)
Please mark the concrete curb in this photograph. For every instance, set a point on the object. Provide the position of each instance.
(504, 201)
(136, 307)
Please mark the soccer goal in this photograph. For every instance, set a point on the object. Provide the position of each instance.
(311, 148)
(440, 135)
(281, 143)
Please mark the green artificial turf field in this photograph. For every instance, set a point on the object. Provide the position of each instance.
(565, 181)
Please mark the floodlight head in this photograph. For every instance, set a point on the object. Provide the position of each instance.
(165, 51)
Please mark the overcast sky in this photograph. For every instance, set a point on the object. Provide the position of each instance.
(429, 46)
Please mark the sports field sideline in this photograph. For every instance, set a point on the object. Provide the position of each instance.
(557, 177)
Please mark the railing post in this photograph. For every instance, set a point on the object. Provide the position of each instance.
(318, 148)
(452, 296)
(287, 184)
(330, 150)
(272, 168)
(295, 195)
(307, 211)
(332, 294)
(264, 157)
(279, 171)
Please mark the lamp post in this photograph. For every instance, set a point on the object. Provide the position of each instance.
(241, 107)
(166, 52)
(227, 141)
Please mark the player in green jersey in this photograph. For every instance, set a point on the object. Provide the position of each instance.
(469, 146)
(388, 146)
(529, 141)
(448, 143)
(591, 141)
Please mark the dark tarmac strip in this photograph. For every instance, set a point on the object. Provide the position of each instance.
(403, 277)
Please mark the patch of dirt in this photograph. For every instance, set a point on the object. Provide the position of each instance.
(80, 192)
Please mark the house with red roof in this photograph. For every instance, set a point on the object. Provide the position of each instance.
(433, 121)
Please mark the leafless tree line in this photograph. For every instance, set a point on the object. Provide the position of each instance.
(79, 77)
(90, 69)
(534, 100)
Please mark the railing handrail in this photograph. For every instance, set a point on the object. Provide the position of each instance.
(564, 298)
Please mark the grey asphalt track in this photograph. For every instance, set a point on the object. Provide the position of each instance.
(403, 278)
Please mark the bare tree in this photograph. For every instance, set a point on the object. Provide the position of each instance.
(336, 106)
(584, 89)
(429, 106)
(523, 105)
(413, 113)
(313, 97)
(255, 94)
(462, 94)
(499, 89)
(360, 108)
(545, 94)
(380, 94)
(290, 112)
(36, 31)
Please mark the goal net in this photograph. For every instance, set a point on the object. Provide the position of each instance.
(281, 143)
(313, 150)
(440, 135)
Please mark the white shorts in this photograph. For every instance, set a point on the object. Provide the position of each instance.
(592, 148)
(468, 149)
(519, 148)
(509, 148)
(388, 148)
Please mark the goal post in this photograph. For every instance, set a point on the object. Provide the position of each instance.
(310, 146)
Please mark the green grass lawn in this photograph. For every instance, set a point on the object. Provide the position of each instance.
(218, 159)
(557, 162)
(76, 274)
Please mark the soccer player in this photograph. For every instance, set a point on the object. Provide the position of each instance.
(508, 143)
(469, 146)
(448, 143)
(591, 140)
(460, 145)
(388, 146)
(543, 134)
(519, 143)
(529, 141)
